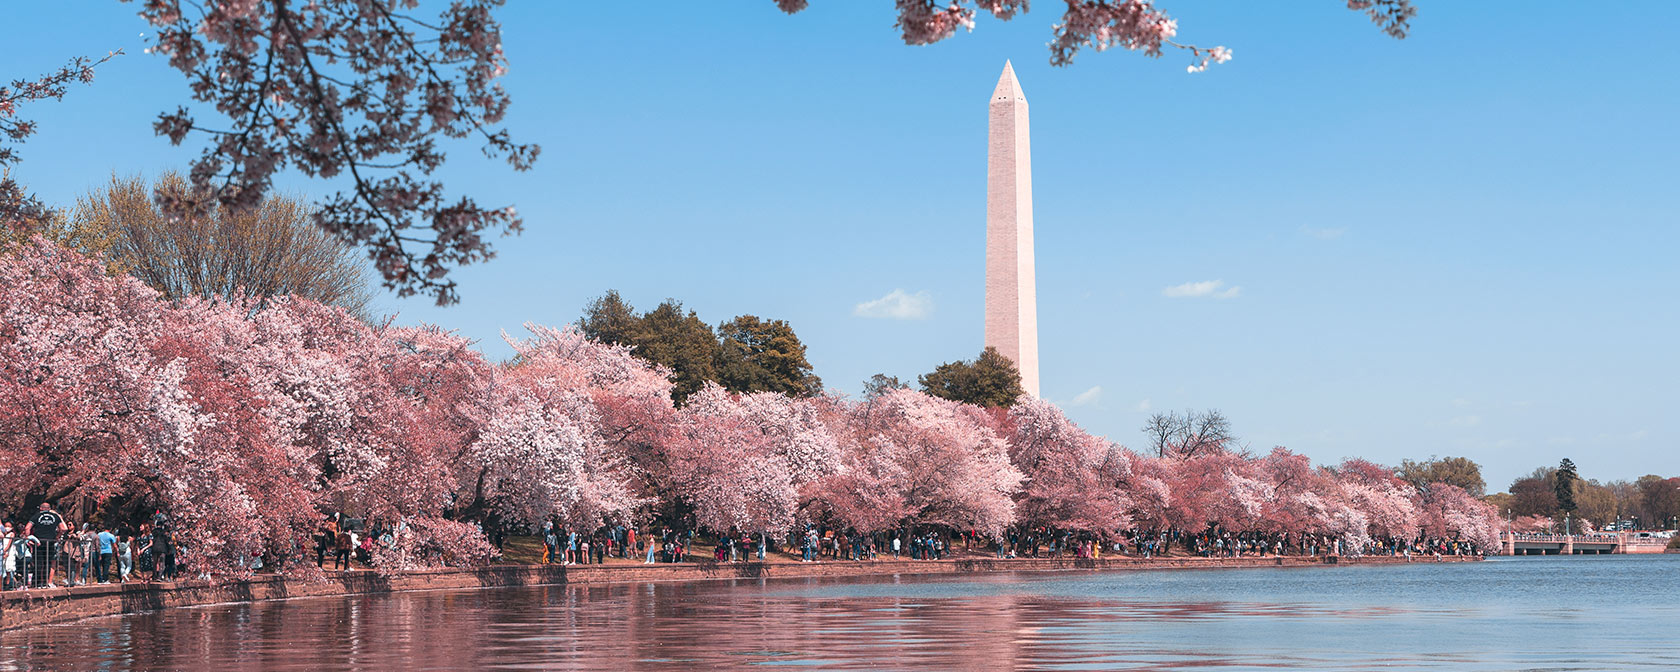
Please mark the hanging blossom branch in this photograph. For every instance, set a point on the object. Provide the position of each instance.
(51, 86)
(18, 208)
(1097, 24)
(348, 88)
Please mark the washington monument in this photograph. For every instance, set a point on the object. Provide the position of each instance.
(1011, 294)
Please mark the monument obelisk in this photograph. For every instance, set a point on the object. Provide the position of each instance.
(1011, 294)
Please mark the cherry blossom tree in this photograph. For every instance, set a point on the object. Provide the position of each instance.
(727, 468)
(917, 459)
(431, 542)
(751, 461)
(75, 369)
(1073, 479)
(1382, 497)
(1302, 498)
(549, 449)
(1135, 25)
(1448, 512)
(51, 86)
(361, 90)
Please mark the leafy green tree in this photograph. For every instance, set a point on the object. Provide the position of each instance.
(1597, 503)
(1535, 494)
(756, 355)
(1564, 486)
(1659, 500)
(681, 342)
(609, 319)
(880, 384)
(1460, 471)
(746, 354)
(990, 380)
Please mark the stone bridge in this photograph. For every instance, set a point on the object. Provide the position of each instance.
(1522, 543)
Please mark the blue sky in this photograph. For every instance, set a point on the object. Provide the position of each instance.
(1462, 243)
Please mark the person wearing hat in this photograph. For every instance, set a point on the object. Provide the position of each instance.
(45, 526)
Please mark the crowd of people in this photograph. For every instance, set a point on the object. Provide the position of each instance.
(48, 550)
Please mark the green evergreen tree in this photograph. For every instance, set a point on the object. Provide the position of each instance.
(990, 380)
(756, 355)
(681, 342)
(609, 319)
(1564, 486)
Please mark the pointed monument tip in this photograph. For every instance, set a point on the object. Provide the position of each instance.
(1008, 87)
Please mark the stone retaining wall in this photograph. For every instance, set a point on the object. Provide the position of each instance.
(38, 607)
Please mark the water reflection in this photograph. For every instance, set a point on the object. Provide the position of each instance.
(1558, 614)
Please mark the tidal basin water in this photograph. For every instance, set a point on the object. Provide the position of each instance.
(1597, 613)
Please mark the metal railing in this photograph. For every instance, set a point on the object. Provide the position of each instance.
(31, 563)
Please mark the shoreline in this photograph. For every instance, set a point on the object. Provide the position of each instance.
(23, 609)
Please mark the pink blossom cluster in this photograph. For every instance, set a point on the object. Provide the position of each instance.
(246, 423)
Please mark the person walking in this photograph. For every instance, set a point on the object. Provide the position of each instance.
(125, 557)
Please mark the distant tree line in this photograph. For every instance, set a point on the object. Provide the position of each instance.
(744, 354)
(1651, 501)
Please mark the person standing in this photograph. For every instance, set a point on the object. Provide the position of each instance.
(89, 539)
(107, 551)
(8, 556)
(143, 551)
(45, 526)
(341, 550)
(163, 548)
(70, 550)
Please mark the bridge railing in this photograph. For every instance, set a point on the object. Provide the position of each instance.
(1577, 538)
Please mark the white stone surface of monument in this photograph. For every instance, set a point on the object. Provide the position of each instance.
(1011, 293)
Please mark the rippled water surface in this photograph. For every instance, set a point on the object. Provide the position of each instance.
(1598, 613)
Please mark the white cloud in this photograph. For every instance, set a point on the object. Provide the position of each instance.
(1087, 397)
(1461, 403)
(1144, 406)
(1330, 233)
(1213, 289)
(897, 305)
(1465, 421)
